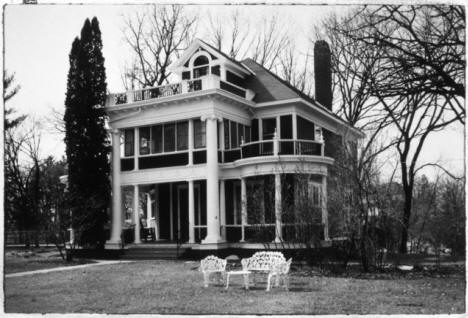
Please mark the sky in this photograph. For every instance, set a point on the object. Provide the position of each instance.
(37, 41)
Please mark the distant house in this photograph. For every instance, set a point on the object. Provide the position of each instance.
(187, 155)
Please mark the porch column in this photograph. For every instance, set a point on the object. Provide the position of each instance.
(116, 227)
(156, 211)
(212, 186)
(324, 209)
(136, 213)
(243, 208)
(149, 209)
(136, 147)
(222, 208)
(278, 209)
(191, 211)
(294, 128)
(190, 142)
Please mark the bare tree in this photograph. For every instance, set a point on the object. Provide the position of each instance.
(156, 37)
(263, 44)
(427, 43)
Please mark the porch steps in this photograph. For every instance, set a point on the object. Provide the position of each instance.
(154, 251)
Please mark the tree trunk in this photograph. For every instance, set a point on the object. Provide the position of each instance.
(406, 219)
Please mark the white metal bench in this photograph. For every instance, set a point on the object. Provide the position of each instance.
(265, 262)
(212, 264)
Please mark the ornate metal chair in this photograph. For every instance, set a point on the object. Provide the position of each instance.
(212, 264)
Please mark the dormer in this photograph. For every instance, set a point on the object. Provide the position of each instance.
(201, 59)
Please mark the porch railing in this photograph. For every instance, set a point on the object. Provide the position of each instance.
(186, 86)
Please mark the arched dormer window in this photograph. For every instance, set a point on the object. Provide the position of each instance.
(201, 60)
(201, 66)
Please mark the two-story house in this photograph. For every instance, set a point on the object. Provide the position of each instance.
(209, 158)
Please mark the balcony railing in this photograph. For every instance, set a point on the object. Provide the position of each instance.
(274, 147)
(186, 86)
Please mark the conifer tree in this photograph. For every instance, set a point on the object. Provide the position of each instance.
(87, 143)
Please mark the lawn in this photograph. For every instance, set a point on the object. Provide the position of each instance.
(176, 287)
(22, 260)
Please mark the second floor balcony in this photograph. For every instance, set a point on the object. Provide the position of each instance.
(203, 83)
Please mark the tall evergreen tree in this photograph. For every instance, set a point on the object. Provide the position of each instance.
(87, 143)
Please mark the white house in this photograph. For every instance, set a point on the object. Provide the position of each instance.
(186, 156)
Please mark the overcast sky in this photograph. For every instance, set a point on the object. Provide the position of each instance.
(38, 40)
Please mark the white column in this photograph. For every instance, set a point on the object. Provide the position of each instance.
(156, 211)
(116, 228)
(324, 209)
(294, 128)
(136, 147)
(136, 213)
(191, 211)
(190, 142)
(222, 208)
(149, 209)
(278, 209)
(212, 186)
(243, 208)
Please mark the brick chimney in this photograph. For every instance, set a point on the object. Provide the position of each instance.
(322, 69)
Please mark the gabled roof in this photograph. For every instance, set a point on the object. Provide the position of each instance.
(268, 87)
(197, 43)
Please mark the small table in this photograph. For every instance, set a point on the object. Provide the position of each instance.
(246, 277)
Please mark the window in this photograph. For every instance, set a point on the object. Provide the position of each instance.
(315, 194)
(305, 129)
(129, 142)
(200, 66)
(240, 134)
(182, 135)
(234, 133)
(157, 138)
(269, 126)
(144, 140)
(247, 134)
(234, 143)
(226, 134)
(169, 137)
(199, 134)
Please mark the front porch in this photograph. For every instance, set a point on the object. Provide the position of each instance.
(281, 209)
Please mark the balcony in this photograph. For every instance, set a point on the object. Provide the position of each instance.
(185, 87)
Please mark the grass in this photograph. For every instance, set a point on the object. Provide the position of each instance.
(176, 287)
(22, 260)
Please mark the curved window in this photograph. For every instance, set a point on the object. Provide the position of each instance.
(201, 60)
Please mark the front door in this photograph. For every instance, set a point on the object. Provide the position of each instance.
(182, 214)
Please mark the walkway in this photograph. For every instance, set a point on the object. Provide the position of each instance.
(65, 268)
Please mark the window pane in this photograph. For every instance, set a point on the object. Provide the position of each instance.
(157, 139)
(268, 128)
(247, 134)
(226, 134)
(129, 142)
(144, 141)
(305, 129)
(182, 135)
(240, 133)
(199, 134)
(169, 137)
(233, 134)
